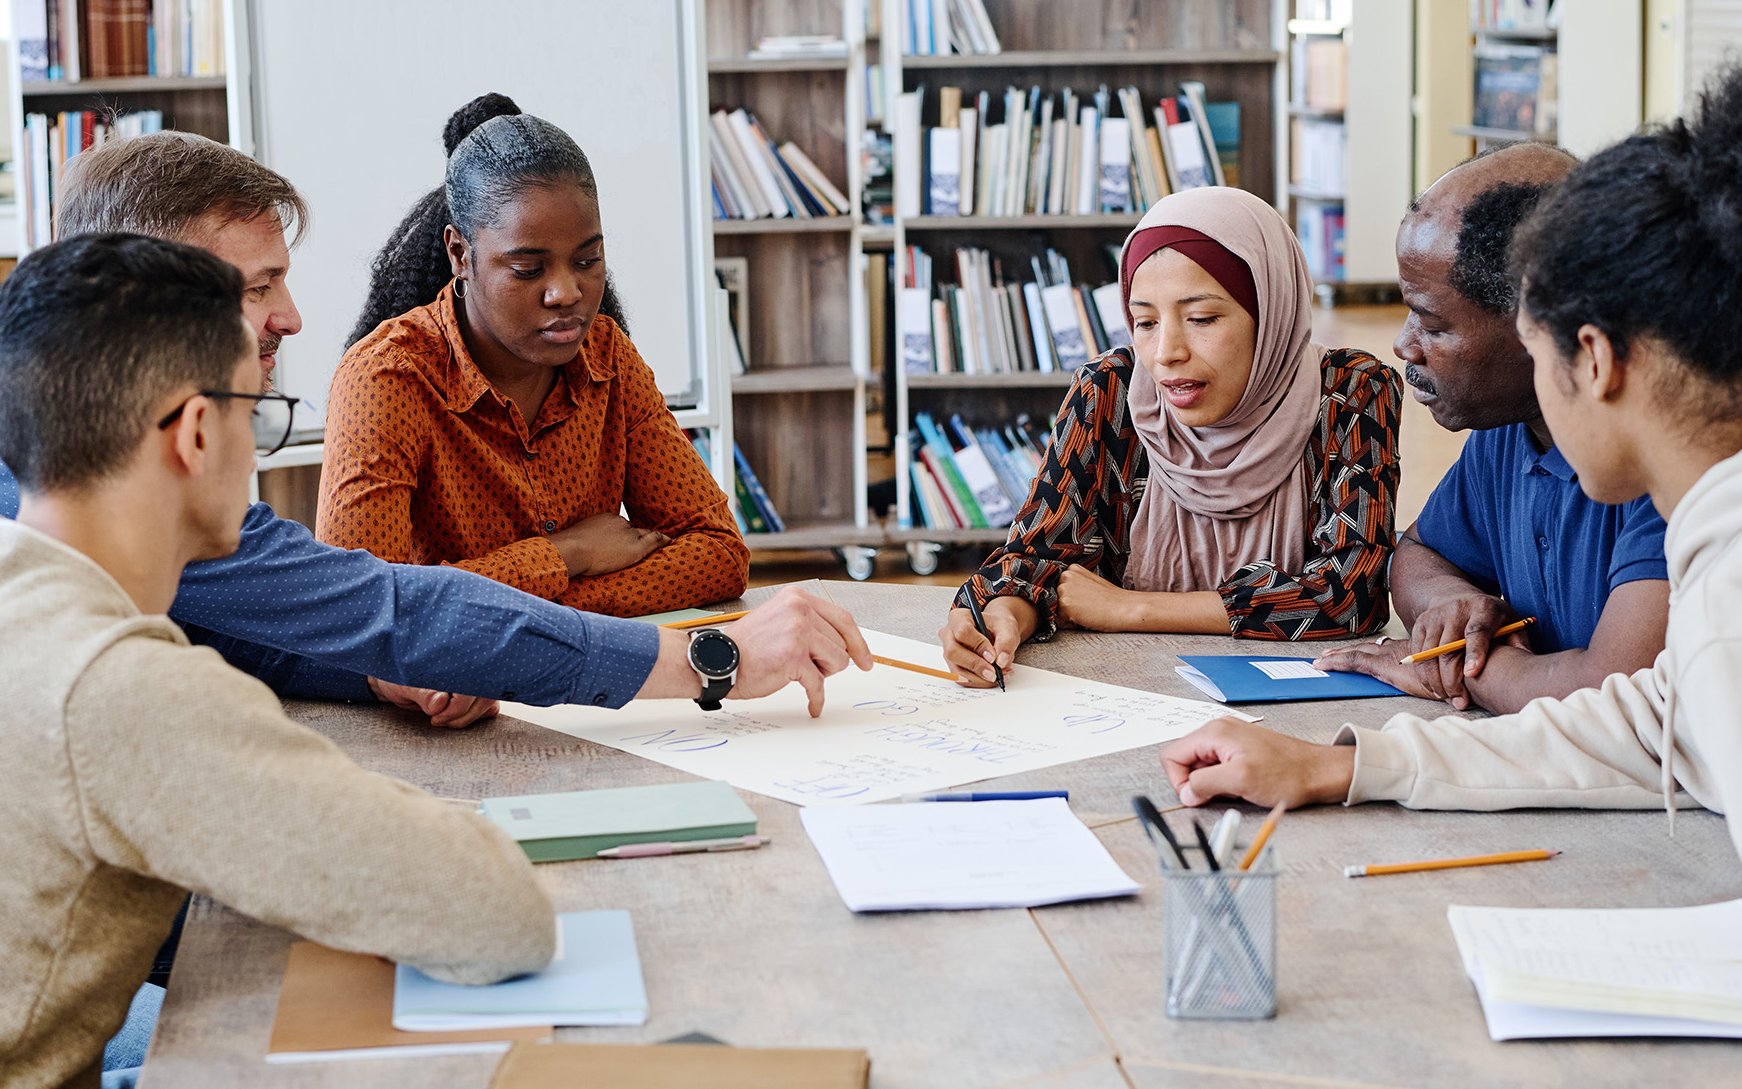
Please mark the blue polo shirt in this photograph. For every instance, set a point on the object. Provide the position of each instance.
(1515, 521)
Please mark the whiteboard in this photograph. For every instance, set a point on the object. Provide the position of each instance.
(348, 102)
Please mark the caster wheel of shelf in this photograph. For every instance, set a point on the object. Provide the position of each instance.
(861, 562)
(922, 558)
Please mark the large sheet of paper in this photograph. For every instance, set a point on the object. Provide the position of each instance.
(1629, 972)
(886, 732)
(931, 855)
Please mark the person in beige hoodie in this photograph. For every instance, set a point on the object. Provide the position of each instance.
(135, 767)
(1631, 308)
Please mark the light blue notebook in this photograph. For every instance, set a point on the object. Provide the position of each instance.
(594, 980)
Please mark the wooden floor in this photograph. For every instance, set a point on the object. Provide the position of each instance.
(1427, 451)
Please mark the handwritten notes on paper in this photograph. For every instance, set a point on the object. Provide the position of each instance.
(886, 732)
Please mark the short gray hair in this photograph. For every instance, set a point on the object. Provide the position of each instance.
(162, 184)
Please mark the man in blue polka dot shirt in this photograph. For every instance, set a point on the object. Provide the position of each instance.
(320, 622)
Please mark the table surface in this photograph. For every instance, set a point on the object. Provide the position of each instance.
(756, 948)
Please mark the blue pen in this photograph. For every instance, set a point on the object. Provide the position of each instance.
(989, 796)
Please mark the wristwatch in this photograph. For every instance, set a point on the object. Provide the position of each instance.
(714, 657)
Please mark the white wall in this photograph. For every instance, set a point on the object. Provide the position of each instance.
(349, 100)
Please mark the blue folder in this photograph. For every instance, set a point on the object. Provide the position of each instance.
(1238, 678)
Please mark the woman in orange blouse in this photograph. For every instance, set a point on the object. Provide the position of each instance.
(502, 422)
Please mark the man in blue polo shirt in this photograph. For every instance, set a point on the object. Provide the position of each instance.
(1507, 534)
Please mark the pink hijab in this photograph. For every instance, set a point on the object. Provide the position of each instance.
(1235, 492)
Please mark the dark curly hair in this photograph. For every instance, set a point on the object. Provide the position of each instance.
(1645, 240)
(1490, 220)
(494, 151)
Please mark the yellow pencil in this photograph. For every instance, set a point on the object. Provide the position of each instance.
(704, 621)
(1449, 863)
(1263, 835)
(1458, 644)
(899, 664)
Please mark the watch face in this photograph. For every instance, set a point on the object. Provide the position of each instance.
(714, 654)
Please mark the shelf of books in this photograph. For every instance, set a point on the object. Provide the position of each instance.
(1026, 141)
(1567, 73)
(97, 70)
(785, 90)
(1349, 137)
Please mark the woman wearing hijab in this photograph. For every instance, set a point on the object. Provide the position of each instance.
(1223, 474)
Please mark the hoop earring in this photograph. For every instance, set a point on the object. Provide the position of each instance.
(459, 288)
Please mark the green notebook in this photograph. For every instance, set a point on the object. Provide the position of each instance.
(581, 823)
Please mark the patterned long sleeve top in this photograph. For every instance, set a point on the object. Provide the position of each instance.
(1081, 506)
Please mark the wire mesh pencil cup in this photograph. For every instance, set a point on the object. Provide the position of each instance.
(1219, 942)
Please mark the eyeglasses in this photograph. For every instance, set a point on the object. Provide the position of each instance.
(270, 420)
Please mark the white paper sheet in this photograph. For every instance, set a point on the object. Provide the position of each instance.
(886, 732)
(1631, 972)
(1289, 671)
(949, 855)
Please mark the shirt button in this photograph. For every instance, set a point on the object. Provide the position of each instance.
(1542, 543)
(510, 694)
(530, 454)
(599, 699)
(549, 526)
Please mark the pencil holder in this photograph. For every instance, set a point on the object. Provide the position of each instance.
(1219, 943)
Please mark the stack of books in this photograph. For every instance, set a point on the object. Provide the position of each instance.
(972, 477)
(1320, 230)
(936, 27)
(751, 508)
(755, 179)
(52, 139)
(1063, 154)
(991, 323)
(798, 46)
(1517, 88)
(103, 39)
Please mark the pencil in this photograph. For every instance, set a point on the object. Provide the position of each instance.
(899, 664)
(704, 621)
(1449, 863)
(1458, 644)
(1263, 835)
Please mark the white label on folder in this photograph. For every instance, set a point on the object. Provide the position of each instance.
(1289, 671)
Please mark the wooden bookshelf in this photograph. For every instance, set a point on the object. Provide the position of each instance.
(1088, 58)
(1363, 101)
(798, 413)
(199, 104)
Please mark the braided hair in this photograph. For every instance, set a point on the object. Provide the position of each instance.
(494, 151)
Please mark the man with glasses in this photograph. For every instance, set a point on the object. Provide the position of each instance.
(320, 622)
(134, 766)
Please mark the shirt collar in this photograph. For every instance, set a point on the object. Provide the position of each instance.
(1550, 461)
(469, 383)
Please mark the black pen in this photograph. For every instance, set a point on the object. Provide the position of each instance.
(1204, 845)
(980, 626)
(1152, 820)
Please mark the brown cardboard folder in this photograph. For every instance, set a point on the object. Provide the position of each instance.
(337, 1005)
(668, 1066)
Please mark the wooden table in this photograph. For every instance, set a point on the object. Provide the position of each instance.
(755, 948)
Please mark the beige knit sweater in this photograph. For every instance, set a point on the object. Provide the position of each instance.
(1668, 735)
(134, 766)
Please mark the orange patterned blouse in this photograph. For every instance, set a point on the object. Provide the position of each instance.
(426, 463)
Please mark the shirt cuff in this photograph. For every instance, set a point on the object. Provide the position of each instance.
(620, 655)
(1382, 766)
(532, 564)
(312, 680)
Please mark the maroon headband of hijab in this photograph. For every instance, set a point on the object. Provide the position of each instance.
(1213, 257)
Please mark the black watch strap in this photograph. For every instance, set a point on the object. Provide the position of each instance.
(713, 692)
